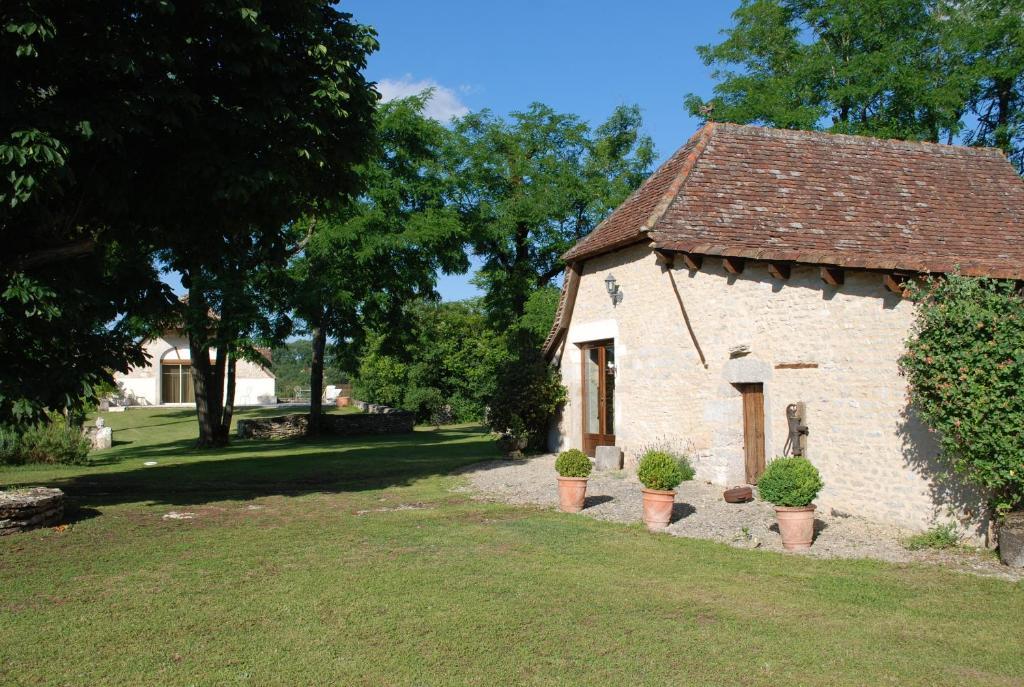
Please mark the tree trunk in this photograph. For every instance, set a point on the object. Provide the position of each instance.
(208, 386)
(316, 379)
(229, 398)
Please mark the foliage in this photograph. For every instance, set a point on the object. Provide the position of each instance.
(529, 186)
(529, 393)
(291, 366)
(964, 365)
(939, 537)
(196, 134)
(427, 402)
(680, 451)
(911, 69)
(790, 481)
(381, 379)
(373, 255)
(446, 348)
(663, 471)
(573, 463)
(50, 441)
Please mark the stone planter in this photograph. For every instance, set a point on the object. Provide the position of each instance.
(658, 508)
(796, 525)
(572, 492)
(1011, 540)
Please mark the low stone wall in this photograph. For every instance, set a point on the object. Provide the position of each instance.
(296, 425)
(26, 509)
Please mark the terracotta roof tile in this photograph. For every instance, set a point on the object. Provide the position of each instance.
(819, 198)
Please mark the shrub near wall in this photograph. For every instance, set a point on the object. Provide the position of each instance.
(965, 365)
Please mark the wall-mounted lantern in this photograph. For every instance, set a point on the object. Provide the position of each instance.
(613, 289)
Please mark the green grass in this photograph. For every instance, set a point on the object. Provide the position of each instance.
(939, 537)
(353, 563)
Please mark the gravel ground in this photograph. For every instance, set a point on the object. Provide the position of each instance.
(700, 512)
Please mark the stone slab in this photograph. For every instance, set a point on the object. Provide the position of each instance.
(608, 458)
(1011, 540)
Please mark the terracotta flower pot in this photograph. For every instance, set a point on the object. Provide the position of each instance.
(571, 493)
(658, 508)
(796, 525)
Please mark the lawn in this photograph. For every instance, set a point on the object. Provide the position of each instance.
(358, 562)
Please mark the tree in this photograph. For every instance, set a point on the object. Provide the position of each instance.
(446, 366)
(878, 68)
(989, 34)
(964, 365)
(531, 186)
(375, 254)
(157, 128)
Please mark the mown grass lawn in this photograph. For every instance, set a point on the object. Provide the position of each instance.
(354, 563)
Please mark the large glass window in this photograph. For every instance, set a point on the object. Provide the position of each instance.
(176, 383)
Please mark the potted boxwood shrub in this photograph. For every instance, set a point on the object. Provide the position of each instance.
(661, 472)
(791, 484)
(573, 468)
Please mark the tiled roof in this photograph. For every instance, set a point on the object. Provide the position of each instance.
(811, 197)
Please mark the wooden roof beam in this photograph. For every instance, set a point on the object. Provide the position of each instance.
(779, 270)
(896, 282)
(693, 262)
(733, 265)
(833, 276)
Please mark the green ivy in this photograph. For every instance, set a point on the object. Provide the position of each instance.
(965, 367)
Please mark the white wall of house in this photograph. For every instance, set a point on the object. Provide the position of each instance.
(876, 460)
(253, 385)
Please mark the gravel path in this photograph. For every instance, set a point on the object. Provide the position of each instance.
(700, 512)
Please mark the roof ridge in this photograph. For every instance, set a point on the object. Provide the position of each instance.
(772, 131)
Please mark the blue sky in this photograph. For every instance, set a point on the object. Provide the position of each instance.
(583, 57)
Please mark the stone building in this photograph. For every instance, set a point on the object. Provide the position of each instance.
(760, 270)
(167, 379)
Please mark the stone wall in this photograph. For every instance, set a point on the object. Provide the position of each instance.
(296, 425)
(26, 509)
(834, 348)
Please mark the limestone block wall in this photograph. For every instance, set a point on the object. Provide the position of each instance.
(833, 348)
(296, 425)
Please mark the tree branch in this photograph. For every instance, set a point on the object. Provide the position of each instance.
(75, 249)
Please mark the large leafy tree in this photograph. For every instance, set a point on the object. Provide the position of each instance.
(531, 185)
(159, 126)
(373, 255)
(988, 35)
(873, 67)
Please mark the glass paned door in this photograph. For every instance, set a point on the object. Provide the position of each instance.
(176, 383)
(598, 395)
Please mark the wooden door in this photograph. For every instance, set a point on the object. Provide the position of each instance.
(598, 385)
(753, 430)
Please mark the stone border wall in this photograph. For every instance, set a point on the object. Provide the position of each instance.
(297, 425)
(27, 509)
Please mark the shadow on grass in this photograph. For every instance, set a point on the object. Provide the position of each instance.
(257, 468)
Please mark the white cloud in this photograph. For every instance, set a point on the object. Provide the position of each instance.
(444, 104)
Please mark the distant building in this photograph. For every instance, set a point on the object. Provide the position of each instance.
(760, 272)
(167, 379)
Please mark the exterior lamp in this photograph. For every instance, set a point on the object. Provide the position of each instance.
(613, 289)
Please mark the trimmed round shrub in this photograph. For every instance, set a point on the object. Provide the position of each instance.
(792, 482)
(663, 471)
(573, 463)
